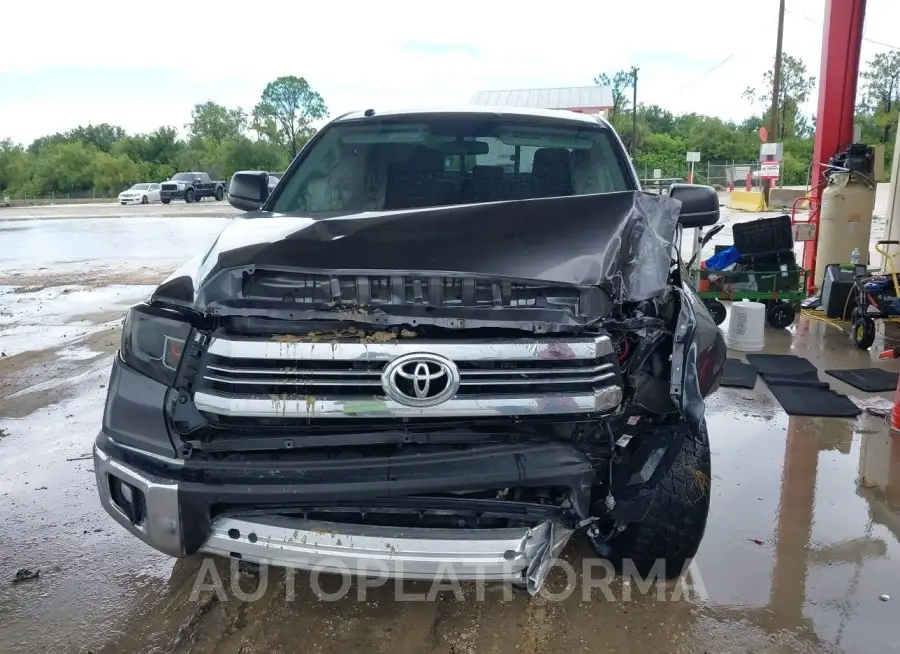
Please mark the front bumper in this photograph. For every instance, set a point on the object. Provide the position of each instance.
(178, 516)
(411, 553)
(171, 195)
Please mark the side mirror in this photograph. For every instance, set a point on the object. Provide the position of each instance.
(699, 205)
(248, 190)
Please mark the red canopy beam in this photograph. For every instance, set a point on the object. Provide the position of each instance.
(841, 43)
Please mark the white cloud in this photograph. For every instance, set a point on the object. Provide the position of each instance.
(360, 53)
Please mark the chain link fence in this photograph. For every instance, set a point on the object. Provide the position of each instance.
(719, 174)
(723, 174)
(8, 199)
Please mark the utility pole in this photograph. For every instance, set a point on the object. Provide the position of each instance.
(634, 72)
(776, 90)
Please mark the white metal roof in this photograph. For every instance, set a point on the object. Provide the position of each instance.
(576, 97)
(473, 110)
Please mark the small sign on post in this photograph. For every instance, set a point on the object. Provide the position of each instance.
(692, 157)
(771, 152)
(770, 170)
(657, 173)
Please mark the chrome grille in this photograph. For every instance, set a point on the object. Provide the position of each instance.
(343, 378)
(236, 377)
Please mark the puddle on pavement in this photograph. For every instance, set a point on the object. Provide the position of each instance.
(39, 378)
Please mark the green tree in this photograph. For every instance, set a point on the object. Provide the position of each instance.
(102, 136)
(114, 173)
(286, 111)
(881, 92)
(13, 166)
(618, 84)
(213, 122)
(794, 90)
(63, 168)
(657, 119)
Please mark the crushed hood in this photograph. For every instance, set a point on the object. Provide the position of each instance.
(621, 241)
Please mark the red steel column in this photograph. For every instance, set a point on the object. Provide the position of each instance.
(841, 42)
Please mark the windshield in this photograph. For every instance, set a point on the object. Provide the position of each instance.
(140, 187)
(184, 177)
(393, 165)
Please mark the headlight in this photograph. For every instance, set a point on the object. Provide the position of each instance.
(152, 343)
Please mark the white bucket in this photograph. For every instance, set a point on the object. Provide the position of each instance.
(747, 327)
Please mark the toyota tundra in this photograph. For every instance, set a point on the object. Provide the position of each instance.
(444, 340)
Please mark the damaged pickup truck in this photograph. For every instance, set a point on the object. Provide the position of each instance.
(443, 341)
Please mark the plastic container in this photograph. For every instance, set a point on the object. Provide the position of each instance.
(747, 328)
(764, 236)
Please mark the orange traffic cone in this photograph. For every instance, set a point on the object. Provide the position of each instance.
(895, 411)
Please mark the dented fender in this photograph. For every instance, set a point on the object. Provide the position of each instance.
(698, 357)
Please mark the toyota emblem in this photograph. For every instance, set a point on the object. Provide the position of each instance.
(420, 379)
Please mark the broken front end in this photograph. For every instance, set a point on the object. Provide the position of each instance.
(404, 422)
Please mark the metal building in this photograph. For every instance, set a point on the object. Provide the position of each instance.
(581, 99)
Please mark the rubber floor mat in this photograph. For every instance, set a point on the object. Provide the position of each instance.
(809, 378)
(818, 402)
(781, 364)
(738, 374)
(870, 380)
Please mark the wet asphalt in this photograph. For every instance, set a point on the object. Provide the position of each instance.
(801, 546)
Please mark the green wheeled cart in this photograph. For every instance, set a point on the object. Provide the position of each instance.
(781, 291)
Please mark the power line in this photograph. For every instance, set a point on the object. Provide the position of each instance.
(865, 38)
(710, 71)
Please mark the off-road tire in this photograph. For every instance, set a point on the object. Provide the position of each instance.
(189, 196)
(165, 201)
(674, 525)
(220, 194)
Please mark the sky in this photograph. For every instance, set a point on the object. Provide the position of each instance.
(145, 65)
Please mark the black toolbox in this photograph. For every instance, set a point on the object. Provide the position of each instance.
(764, 236)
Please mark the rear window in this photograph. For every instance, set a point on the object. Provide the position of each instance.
(375, 166)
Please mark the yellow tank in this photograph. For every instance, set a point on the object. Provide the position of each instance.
(845, 222)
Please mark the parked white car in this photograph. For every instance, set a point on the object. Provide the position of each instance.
(140, 194)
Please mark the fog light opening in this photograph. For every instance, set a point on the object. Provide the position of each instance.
(128, 499)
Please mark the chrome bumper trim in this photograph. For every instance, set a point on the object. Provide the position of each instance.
(357, 350)
(301, 406)
(405, 553)
(161, 527)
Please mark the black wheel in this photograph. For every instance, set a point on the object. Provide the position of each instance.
(862, 330)
(220, 193)
(144, 200)
(165, 201)
(780, 315)
(189, 196)
(674, 525)
(716, 310)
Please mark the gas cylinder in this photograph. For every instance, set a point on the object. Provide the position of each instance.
(845, 221)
